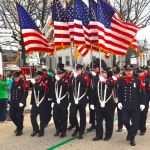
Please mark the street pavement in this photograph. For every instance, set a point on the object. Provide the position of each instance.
(8, 140)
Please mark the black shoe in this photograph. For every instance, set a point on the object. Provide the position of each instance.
(75, 132)
(57, 132)
(132, 142)
(119, 130)
(97, 138)
(107, 138)
(18, 133)
(91, 128)
(128, 137)
(62, 135)
(40, 134)
(80, 136)
(70, 127)
(142, 133)
(15, 131)
(34, 133)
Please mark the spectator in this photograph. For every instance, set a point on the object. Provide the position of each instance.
(10, 82)
(3, 98)
(88, 68)
(9, 87)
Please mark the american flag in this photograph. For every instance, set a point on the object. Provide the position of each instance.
(114, 34)
(61, 30)
(81, 29)
(34, 41)
(93, 21)
(134, 45)
(70, 16)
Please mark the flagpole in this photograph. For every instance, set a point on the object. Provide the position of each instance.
(56, 59)
(75, 78)
(72, 55)
(100, 58)
(92, 82)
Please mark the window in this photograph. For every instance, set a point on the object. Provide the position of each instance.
(67, 60)
(59, 60)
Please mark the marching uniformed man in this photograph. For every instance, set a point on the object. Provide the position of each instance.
(39, 104)
(146, 72)
(49, 80)
(94, 76)
(131, 102)
(19, 93)
(61, 66)
(117, 79)
(146, 85)
(103, 99)
(78, 99)
(60, 103)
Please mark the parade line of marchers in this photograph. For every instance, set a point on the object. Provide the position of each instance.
(126, 90)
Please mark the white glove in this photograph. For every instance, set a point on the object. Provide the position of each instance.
(57, 77)
(93, 73)
(30, 107)
(69, 105)
(142, 107)
(101, 78)
(114, 78)
(120, 106)
(75, 74)
(52, 105)
(20, 105)
(33, 81)
(92, 107)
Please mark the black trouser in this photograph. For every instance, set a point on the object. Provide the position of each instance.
(73, 112)
(143, 118)
(48, 114)
(3, 109)
(119, 113)
(35, 111)
(92, 116)
(120, 123)
(16, 115)
(60, 115)
(70, 119)
(108, 115)
(132, 115)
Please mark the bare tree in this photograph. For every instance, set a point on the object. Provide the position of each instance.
(136, 12)
(38, 9)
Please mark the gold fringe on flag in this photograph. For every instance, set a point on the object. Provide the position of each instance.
(77, 54)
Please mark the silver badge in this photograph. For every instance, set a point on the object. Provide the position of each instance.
(19, 87)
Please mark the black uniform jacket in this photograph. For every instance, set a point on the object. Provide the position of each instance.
(95, 98)
(19, 93)
(40, 91)
(131, 95)
(83, 81)
(62, 83)
(146, 85)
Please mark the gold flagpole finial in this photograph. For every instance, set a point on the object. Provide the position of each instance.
(16, 1)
